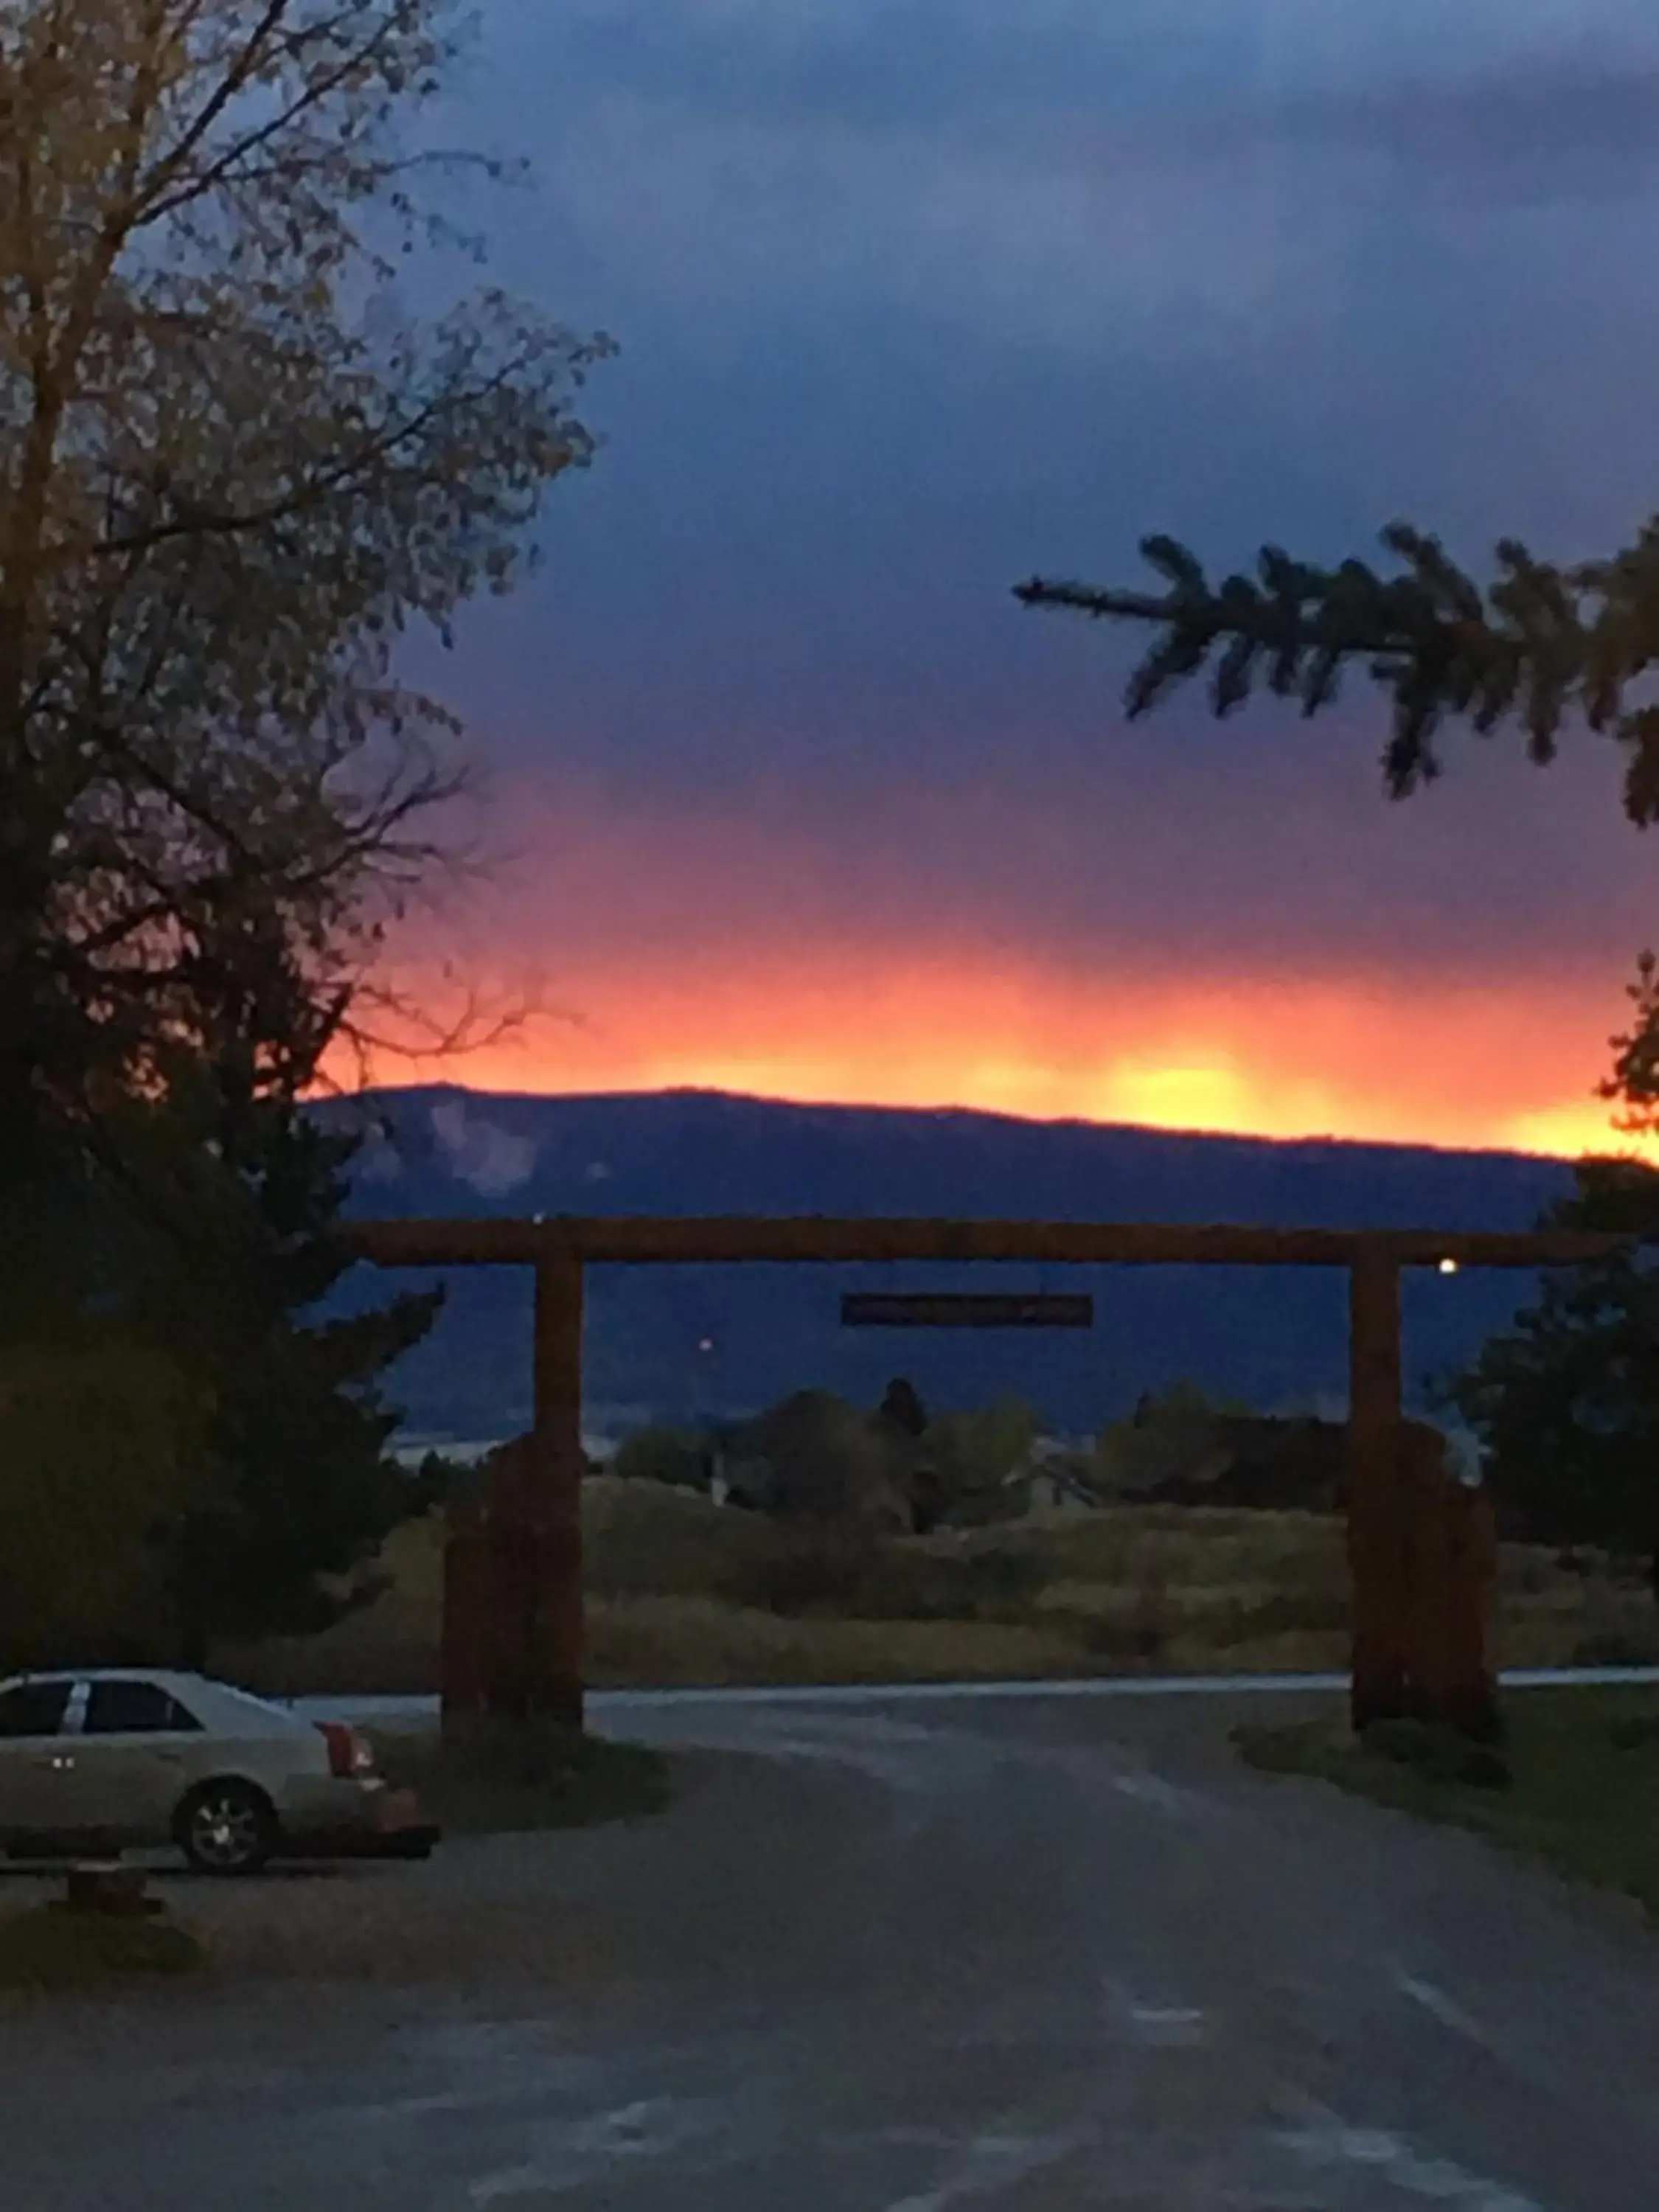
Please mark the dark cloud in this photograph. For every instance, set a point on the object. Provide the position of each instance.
(1544, 129)
(915, 300)
(1522, 101)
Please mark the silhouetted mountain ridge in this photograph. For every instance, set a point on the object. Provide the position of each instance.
(1269, 1335)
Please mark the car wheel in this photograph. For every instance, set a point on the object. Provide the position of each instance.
(227, 1827)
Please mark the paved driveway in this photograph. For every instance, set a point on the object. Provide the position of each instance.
(882, 1958)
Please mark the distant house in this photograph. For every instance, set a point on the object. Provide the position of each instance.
(1052, 1477)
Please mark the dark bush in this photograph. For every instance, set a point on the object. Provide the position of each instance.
(1616, 1650)
(662, 1453)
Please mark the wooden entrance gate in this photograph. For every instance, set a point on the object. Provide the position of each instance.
(516, 1645)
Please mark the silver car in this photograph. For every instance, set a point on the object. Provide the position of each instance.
(117, 1759)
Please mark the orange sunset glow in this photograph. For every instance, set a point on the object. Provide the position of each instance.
(771, 948)
(1378, 1059)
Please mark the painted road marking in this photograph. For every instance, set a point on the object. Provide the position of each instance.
(1440, 2007)
(581, 2150)
(1148, 1788)
(1324, 2140)
(1162, 2027)
(515, 2181)
(986, 2165)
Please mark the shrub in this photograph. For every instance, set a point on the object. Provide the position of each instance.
(661, 1453)
(1615, 1648)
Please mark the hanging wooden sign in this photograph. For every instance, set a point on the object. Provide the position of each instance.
(965, 1310)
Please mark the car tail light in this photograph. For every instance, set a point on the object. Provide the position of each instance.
(348, 1756)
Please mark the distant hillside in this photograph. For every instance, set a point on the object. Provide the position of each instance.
(1272, 1337)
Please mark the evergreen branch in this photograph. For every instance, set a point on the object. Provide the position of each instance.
(1541, 645)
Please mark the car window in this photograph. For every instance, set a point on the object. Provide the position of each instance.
(245, 1698)
(33, 1708)
(134, 1708)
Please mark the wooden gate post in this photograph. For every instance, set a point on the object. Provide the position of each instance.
(557, 1668)
(1379, 1526)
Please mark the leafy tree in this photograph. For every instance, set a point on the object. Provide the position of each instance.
(973, 1453)
(660, 1452)
(234, 470)
(828, 1460)
(1171, 1434)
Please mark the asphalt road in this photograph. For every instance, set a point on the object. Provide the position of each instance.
(886, 1957)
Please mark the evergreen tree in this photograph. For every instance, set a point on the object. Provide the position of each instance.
(1566, 1402)
(304, 1490)
(902, 1406)
(216, 1198)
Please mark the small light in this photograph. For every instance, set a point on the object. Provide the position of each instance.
(705, 1344)
(1449, 1267)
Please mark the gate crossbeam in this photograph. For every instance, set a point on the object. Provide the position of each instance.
(560, 1247)
(626, 1239)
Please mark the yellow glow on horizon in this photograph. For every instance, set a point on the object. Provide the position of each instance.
(766, 955)
(1194, 1097)
(1568, 1131)
(1372, 1058)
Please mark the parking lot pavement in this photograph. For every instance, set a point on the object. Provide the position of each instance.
(897, 1955)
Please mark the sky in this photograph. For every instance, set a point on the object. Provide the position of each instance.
(917, 298)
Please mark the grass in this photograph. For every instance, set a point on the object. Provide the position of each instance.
(682, 1592)
(47, 1948)
(1582, 1794)
(496, 1784)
